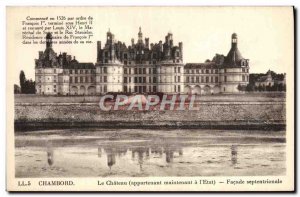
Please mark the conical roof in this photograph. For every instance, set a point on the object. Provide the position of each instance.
(233, 57)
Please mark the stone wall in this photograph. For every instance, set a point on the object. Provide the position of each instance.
(211, 114)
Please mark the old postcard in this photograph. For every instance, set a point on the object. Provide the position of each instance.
(150, 99)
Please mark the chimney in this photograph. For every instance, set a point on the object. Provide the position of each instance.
(160, 46)
(151, 46)
(69, 58)
(98, 51)
(147, 43)
(40, 54)
(180, 46)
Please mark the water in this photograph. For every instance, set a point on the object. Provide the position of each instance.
(140, 153)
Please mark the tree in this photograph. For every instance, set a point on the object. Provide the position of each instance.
(22, 81)
(27, 86)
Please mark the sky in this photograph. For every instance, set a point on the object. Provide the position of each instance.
(265, 35)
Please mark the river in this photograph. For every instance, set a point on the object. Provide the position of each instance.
(141, 153)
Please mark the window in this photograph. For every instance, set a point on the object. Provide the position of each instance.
(154, 70)
(178, 79)
(207, 80)
(125, 88)
(197, 79)
(175, 78)
(105, 88)
(154, 88)
(144, 70)
(225, 80)
(135, 79)
(207, 71)
(105, 80)
(71, 71)
(75, 71)
(76, 80)
(125, 79)
(135, 71)
(175, 70)
(104, 70)
(243, 78)
(216, 79)
(81, 79)
(179, 69)
(154, 81)
(178, 88)
(144, 79)
(125, 70)
(54, 70)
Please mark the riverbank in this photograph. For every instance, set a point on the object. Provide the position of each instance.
(264, 112)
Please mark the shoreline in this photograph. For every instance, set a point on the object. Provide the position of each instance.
(21, 126)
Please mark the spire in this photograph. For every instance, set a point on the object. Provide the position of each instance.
(234, 40)
(140, 36)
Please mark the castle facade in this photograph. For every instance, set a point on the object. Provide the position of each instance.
(139, 68)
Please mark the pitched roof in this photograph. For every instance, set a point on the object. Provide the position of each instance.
(201, 65)
(74, 65)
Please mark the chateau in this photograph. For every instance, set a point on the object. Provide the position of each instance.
(139, 68)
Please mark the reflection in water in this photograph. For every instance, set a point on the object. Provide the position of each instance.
(234, 154)
(140, 154)
(50, 155)
(143, 153)
(99, 152)
(238, 154)
(111, 157)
